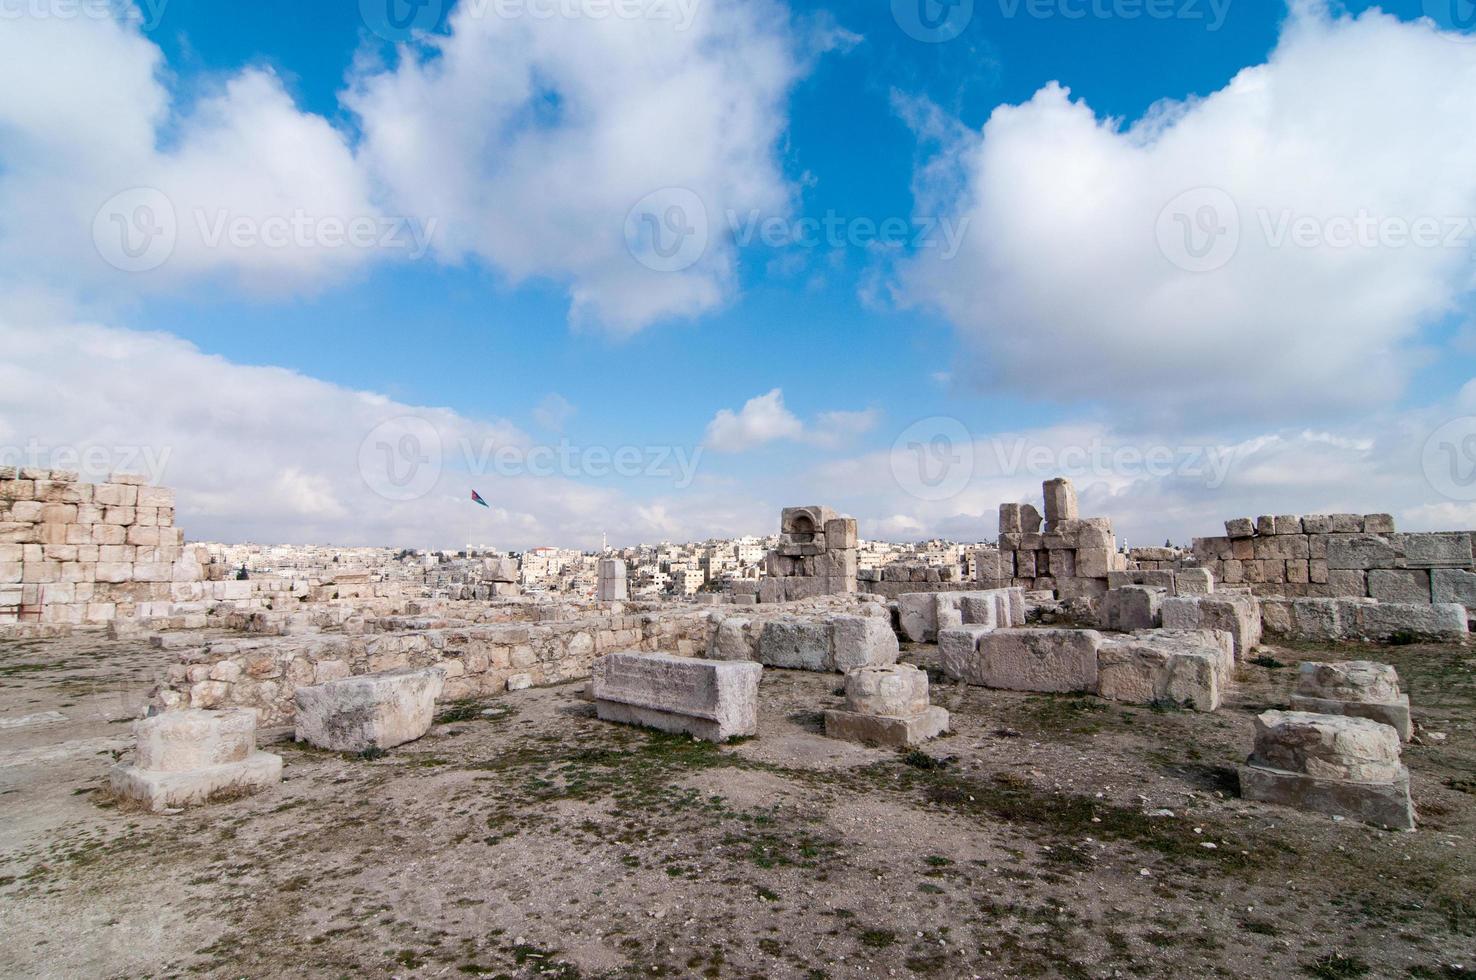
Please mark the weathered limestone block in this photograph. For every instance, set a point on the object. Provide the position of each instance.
(1156, 667)
(369, 711)
(918, 612)
(1060, 501)
(840, 533)
(887, 706)
(707, 699)
(734, 639)
(612, 582)
(796, 645)
(1329, 764)
(862, 641)
(1360, 552)
(190, 757)
(1045, 660)
(1133, 607)
(1358, 689)
(1240, 527)
(1444, 549)
(1453, 585)
(1238, 615)
(1194, 581)
(1385, 621)
(1399, 584)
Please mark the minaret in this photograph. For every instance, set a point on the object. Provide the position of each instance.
(604, 542)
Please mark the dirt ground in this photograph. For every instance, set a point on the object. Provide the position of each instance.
(537, 841)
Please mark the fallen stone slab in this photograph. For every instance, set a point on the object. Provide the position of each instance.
(369, 711)
(1357, 689)
(1014, 659)
(1155, 667)
(707, 699)
(186, 758)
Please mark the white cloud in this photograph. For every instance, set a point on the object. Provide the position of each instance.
(554, 412)
(85, 116)
(267, 454)
(533, 139)
(525, 142)
(762, 420)
(1063, 291)
(765, 419)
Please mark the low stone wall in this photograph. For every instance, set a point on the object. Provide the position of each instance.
(1342, 555)
(478, 660)
(1339, 620)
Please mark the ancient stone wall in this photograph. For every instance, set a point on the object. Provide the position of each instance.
(479, 660)
(1341, 556)
(73, 552)
(1072, 556)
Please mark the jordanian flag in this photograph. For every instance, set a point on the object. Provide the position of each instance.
(477, 499)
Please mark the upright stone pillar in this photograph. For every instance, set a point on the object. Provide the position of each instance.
(613, 583)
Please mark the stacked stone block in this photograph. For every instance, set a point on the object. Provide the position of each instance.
(82, 553)
(1341, 556)
(1063, 553)
(613, 584)
(887, 706)
(1358, 689)
(184, 758)
(816, 556)
(1330, 764)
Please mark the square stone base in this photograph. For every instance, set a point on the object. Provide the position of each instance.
(1380, 804)
(666, 721)
(1395, 714)
(169, 790)
(879, 730)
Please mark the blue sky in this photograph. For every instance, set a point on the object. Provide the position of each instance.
(853, 118)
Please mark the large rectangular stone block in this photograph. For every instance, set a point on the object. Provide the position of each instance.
(1453, 585)
(1439, 550)
(1238, 615)
(707, 699)
(1188, 669)
(1045, 660)
(1134, 607)
(1360, 552)
(1399, 584)
(1060, 501)
(796, 645)
(178, 741)
(369, 711)
(862, 641)
(1385, 621)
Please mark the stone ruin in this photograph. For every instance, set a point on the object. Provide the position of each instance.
(1333, 556)
(184, 758)
(1332, 764)
(613, 584)
(887, 706)
(1162, 635)
(816, 556)
(1070, 555)
(83, 553)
